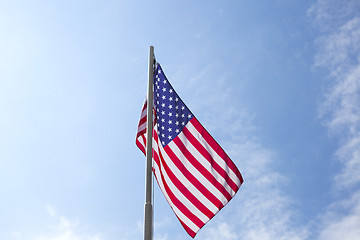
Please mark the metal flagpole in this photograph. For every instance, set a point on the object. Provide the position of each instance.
(148, 221)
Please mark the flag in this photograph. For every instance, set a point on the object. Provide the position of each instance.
(194, 173)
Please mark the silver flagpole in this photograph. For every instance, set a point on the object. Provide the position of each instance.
(148, 221)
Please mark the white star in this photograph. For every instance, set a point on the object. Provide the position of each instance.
(183, 123)
(163, 143)
(176, 107)
(176, 99)
(182, 107)
(169, 137)
(162, 128)
(163, 120)
(170, 106)
(162, 112)
(159, 71)
(189, 116)
(177, 130)
(170, 122)
(164, 81)
(164, 89)
(182, 115)
(177, 115)
(170, 99)
(170, 90)
(170, 114)
(163, 97)
(169, 129)
(177, 123)
(163, 104)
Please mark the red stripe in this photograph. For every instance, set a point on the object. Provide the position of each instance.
(143, 120)
(203, 171)
(155, 155)
(191, 178)
(214, 145)
(187, 229)
(184, 190)
(202, 150)
(142, 132)
(140, 146)
(192, 217)
(145, 106)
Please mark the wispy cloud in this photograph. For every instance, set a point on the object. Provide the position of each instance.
(339, 48)
(71, 228)
(65, 229)
(342, 225)
(339, 54)
(222, 231)
(263, 211)
(50, 210)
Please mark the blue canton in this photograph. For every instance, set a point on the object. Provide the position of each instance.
(171, 113)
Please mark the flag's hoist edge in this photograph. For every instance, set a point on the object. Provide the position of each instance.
(194, 173)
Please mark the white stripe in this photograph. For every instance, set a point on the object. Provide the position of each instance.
(143, 113)
(205, 162)
(141, 141)
(142, 127)
(199, 177)
(178, 194)
(214, 155)
(178, 213)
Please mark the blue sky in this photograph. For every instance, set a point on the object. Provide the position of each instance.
(277, 84)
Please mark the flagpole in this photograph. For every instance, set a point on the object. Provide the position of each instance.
(148, 219)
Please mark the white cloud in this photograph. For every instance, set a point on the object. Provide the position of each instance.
(16, 235)
(64, 229)
(349, 155)
(339, 52)
(61, 227)
(343, 110)
(222, 231)
(339, 48)
(342, 225)
(265, 211)
(50, 210)
(330, 14)
(67, 229)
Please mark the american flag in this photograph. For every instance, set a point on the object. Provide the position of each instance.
(194, 173)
